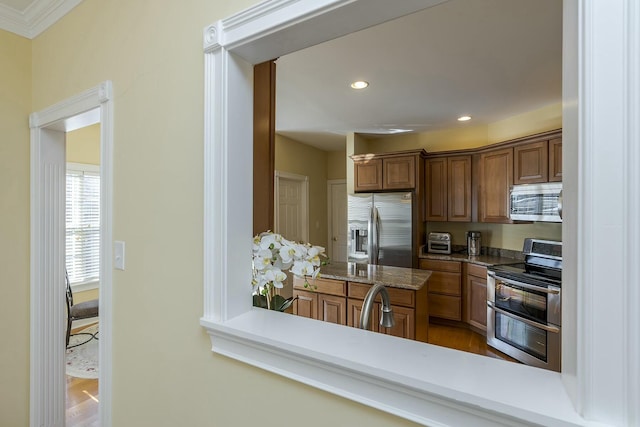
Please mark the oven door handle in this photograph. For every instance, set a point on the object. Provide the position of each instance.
(524, 285)
(547, 328)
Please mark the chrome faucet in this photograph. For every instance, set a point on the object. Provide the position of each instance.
(387, 319)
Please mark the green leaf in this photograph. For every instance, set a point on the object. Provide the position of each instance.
(260, 301)
(280, 304)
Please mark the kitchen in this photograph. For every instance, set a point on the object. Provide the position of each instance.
(516, 124)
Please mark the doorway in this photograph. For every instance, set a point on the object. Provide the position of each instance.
(337, 219)
(292, 206)
(48, 310)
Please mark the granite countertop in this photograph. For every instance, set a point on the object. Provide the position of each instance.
(484, 260)
(393, 277)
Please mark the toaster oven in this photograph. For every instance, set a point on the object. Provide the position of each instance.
(439, 243)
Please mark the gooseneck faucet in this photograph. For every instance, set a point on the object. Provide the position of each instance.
(387, 319)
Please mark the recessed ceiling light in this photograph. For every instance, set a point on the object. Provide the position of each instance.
(360, 84)
(464, 118)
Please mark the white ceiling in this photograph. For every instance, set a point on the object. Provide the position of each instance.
(490, 59)
(28, 18)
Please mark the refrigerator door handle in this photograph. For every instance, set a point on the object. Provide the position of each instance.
(376, 217)
(370, 233)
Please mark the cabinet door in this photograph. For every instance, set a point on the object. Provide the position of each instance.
(306, 305)
(444, 283)
(354, 311)
(555, 160)
(459, 188)
(531, 163)
(368, 175)
(332, 309)
(496, 178)
(436, 189)
(477, 289)
(445, 306)
(399, 173)
(405, 320)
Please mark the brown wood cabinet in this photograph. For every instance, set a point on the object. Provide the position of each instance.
(368, 175)
(495, 180)
(448, 189)
(531, 163)
(388, 171)
(459, 188)
(326, 301)
(555, 160)
(476, 296)
(436, 189)
(341, 302)
(399, 173)
(445, 293)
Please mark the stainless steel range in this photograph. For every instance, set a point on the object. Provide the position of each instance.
(524, 305)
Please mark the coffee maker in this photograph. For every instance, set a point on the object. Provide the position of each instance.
(473, 243)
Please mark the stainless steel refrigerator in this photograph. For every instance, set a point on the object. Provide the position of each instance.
(380, 228)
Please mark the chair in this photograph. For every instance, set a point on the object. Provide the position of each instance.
(82, 310)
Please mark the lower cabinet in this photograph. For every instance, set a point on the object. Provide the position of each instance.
(341, 302)
(445, 290)
(476, 287)
(327, 300)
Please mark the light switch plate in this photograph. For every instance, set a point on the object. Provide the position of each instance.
(118, 255)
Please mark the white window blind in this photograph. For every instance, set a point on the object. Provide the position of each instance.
(83, 223)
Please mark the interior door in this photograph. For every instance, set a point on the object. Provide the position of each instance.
(291, 207)
(339, 221)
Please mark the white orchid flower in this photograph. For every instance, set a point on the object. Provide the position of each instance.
(262, 259)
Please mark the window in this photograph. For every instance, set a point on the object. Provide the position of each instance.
(83, 223)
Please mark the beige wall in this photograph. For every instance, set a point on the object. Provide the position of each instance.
(467, 135)
(294, 157)
(336, 164)
(164, 371)
(15, 106)
(505, 236)
(83, 145)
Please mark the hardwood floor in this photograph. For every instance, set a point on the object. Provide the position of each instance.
(463, 339)
(82, 402)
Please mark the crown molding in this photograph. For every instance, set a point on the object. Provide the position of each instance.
(36, 18)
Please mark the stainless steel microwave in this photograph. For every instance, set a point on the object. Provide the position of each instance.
(536, 202)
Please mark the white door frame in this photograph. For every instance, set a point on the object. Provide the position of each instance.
(330, 184)
(305, 200)
(47, 351)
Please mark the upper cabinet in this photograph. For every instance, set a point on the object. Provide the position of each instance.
(399, 173)
(448, 188)
(368, 175)
(436, 189)
(387, 172)
(555, 160)
(495, 180)
(531, 163)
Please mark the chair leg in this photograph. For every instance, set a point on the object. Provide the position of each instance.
(68, 330)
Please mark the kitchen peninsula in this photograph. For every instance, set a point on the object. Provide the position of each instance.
(337, 297)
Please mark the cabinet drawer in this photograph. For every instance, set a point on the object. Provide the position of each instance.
(445, 306)
(432, 264)
(476, 270)
(322, 286)
(444, 283)
(404, 297)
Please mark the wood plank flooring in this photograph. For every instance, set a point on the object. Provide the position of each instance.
(463, 339)
(82, 402)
